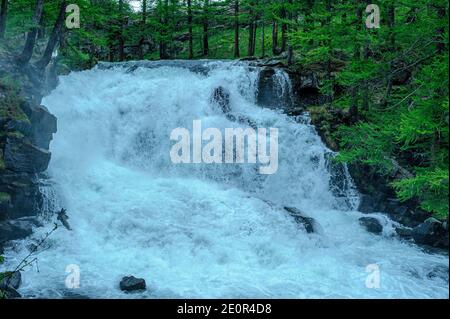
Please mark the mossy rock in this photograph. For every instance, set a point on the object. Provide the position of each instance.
(11, 101)
(4, 197)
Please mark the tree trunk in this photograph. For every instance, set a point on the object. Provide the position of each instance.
(191, 50)
(283, 30)
(330, 49)
(263, 40)
(27, 52)
(275, 38)
(121, 39)
(236, 29)
(353, 110)
(255, 28)
(205, 28)
(3, 17)
(251, 30)
(440, 46)
(143, 22)
(54, 37)
(391, 25)
(41, 29)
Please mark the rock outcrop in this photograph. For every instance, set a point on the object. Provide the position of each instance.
(431, 232)
(26, 129)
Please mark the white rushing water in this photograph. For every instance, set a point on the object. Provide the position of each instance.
(198, 230)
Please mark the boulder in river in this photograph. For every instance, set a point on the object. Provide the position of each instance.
(307, 222)
(431, 232)
(221, 98)
(371, 224)
(131, 283)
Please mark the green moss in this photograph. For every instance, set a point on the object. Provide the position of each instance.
(16, 134)
(10, 100)
(4, 197)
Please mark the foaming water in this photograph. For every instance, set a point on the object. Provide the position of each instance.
(203, 230)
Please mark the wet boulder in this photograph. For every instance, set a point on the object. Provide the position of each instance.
(307, 222)
(22, 156)
(431, 232)
(221, 98)
(17, 229)
(367, 204)
(371, 224)
(131, 283)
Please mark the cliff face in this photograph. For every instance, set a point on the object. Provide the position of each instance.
(26, 129)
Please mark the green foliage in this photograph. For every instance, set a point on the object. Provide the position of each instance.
(395, 76)
(4, 197)
(10, 100)
(430, 186)
(367, 143)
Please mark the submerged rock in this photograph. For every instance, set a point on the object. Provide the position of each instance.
(371, 224)
(221, 98)
(131, 283)
(307, 222)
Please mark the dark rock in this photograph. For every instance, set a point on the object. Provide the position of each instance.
(366, 204)
(394, 206)
(73, 295)
(273, 89)
(307, 222)
(221, 98)
(21, 126)
(44, 125)
(11, 293)
(24, 196)
(371, 224)
(13, 280)
(439, 272)
(131, 283)
(17, 229)
(431, 232)
(404, 232)
(22, 156)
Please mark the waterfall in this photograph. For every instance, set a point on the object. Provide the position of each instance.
(204, 230)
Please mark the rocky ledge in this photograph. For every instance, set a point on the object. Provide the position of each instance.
(26, 129)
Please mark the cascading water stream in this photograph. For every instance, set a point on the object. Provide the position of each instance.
(203, 230)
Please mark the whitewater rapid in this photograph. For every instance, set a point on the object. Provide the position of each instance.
(202, 230)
